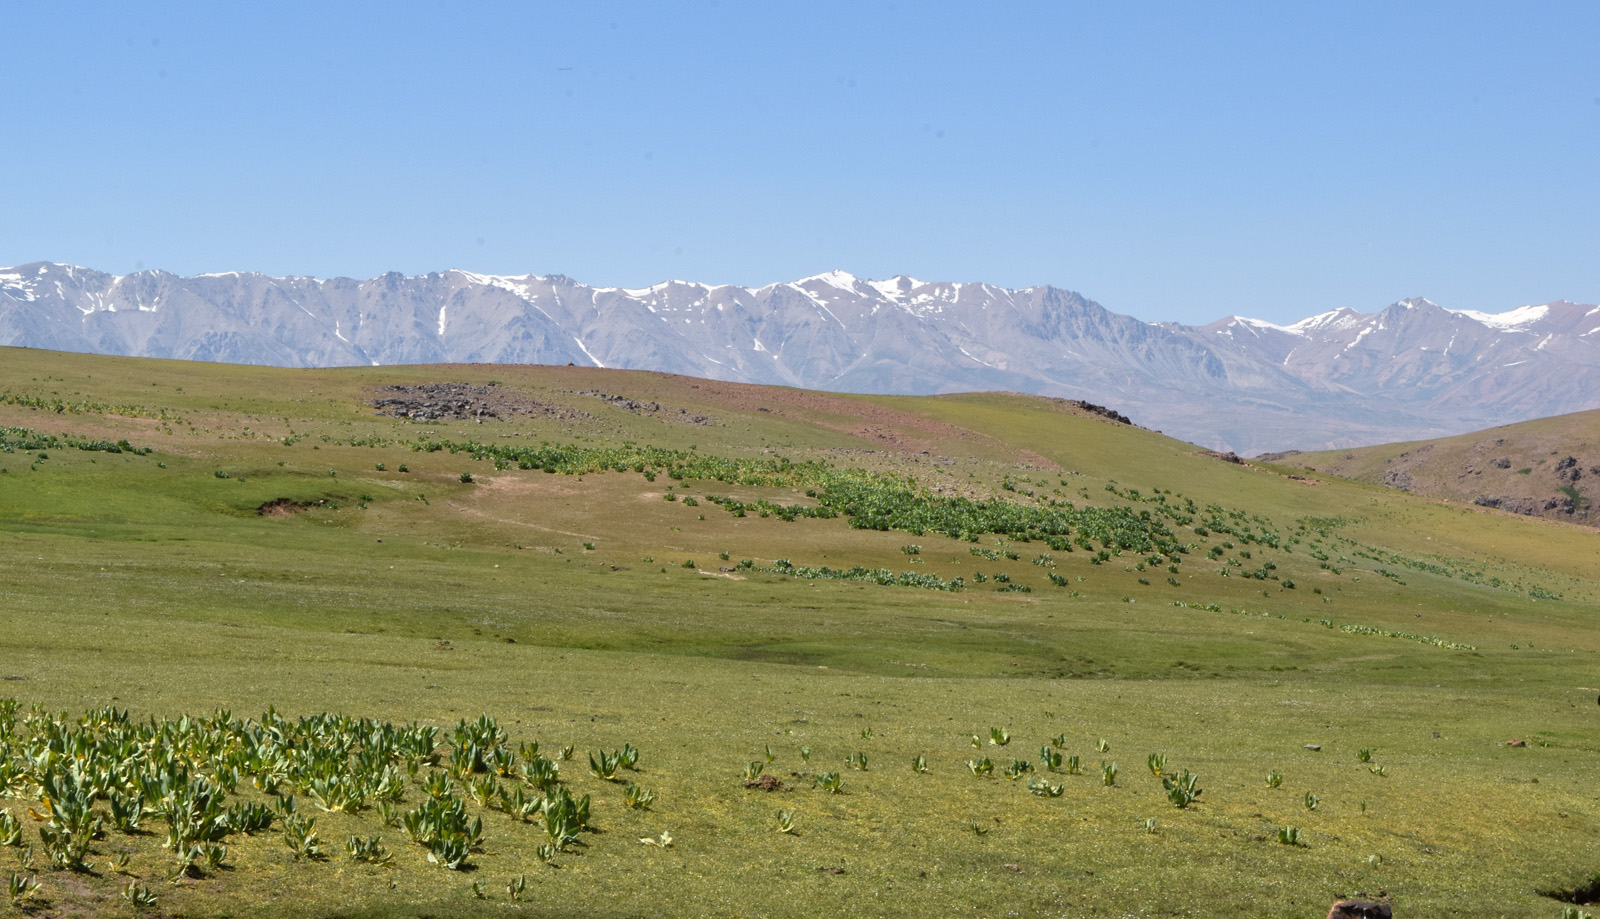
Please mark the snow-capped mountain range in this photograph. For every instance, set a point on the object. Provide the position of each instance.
(1342, 378)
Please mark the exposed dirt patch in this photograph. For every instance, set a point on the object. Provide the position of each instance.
(288, 507)
(767, 783)
(465, 402)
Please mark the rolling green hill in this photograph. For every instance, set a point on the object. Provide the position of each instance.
(949, 642)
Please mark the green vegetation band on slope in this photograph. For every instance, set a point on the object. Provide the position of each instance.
(14, 439)
(870, 501)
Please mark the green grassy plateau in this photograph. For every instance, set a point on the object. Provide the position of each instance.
(782, 601)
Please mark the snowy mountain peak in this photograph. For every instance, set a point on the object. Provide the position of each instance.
(843, 280)
(896, 287)
(1342, 318)
(1519, 318)
(1257, 324)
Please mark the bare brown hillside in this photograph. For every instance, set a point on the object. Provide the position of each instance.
(1547, 468)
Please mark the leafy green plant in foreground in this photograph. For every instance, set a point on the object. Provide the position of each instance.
(1182, 789)
(638, 797)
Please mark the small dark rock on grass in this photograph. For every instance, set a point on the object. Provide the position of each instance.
(1360, 909)
(767, 783)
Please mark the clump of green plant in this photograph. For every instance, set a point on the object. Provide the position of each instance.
(20, 887)
(981, 766)
(1311, 801)
(1181, 789)
(300, 835)
(786, 823)
(999, 736)
(10, 829)
(638, 797)
(920, 764)
(138, 894)
(831, 782)
(1044, 789)
(441, 826)
(369, 850)
(605, 765)
(1274, 779)
(1050, 759)
(1289, 835)
(1156, 762)
(1108, 774)
(1018, 768)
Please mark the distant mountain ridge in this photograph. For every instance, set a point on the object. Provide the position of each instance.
(1338, 379)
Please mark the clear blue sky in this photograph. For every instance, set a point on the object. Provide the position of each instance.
(1176, 161)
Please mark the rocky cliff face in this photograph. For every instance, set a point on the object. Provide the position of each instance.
(1341, 378)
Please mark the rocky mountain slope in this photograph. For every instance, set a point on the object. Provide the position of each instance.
(1341, 378)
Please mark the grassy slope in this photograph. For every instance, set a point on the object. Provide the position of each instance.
(162, 590)
(1544, 467)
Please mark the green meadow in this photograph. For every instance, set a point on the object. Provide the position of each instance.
(986, 655)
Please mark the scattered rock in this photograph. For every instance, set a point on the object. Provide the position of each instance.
(463, 402)
(1313, 746)
(1397, 478)
(1516, 743)
(1501, 462)
(1360, 909)
(831, 869)
(1229, 457)
(1567, 470)
(638, 407)
(1100, 410)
